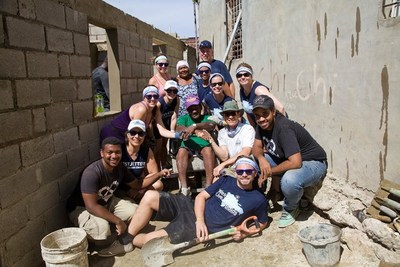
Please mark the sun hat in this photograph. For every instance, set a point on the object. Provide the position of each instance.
(231, 106)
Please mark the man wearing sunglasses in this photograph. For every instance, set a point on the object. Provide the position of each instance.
(192, 124)
(234, 140)
(227, 202)
(93, 205)
(293, 156)
(207, 54)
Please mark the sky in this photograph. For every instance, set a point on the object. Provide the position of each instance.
(176, 16)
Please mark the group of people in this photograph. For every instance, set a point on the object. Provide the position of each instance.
(199, 111)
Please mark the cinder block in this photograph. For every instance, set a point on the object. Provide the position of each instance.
(42, 200)
(124, 86)
(12, 219)
(32, 92)
(63, 90)
(136, 70)
(134, 39)
(32, 257)
(42, 65)
(18, 186)
(33, 231)
(123, 36)
(58, 115)
(22, 33)
(140, 56)
(76, 21)
(39, 120)
(121, 51)
(63, 63)
(133, 86)
(142, 83)
(26, 9)
(50, 12)
(11, 125)
(94, 151)
(37, 149)
(80, 66)
(149, 58)
(12, 64)
(130, 54)
(88, 132)
(10, 7)
(51, 169)
(59, 40)
(6, 95)
(56, 218)
(85, 90)
(147, 71)
(145, 43)
(126, 71)
(11, 160)
(66, 140)
(78, 157)
(67, 183)
(83, 111)
(127, 101)
(81, 43)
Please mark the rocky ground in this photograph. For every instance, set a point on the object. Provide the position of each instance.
(370, 243)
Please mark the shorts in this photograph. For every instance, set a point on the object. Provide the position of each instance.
(179, 211)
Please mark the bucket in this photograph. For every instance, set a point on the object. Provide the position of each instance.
(321, 244)
(66, 247)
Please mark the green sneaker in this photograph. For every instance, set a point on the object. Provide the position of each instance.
(288, 218)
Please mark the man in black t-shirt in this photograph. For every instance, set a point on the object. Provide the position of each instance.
(292, 156)
(93, 206)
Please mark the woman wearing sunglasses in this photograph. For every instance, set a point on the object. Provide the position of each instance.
(140, 161)
(168, 106)
(146, 110)
(162, 75)
(250, 88)
(214, 102)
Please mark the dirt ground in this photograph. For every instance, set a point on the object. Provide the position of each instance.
(274, 247)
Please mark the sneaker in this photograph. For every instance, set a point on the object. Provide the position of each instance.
(116, 248)
(288, 218)
(186, 191)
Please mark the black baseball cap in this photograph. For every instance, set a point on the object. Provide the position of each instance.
(205, 44)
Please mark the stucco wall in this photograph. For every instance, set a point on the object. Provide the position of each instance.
(335, 66)
(48, 131)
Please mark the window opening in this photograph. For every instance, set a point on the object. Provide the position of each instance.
(105, 71)
(233, 8)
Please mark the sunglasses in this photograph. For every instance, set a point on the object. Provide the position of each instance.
(149, 97)
(247, 171)
(204, 72)
(215, 84)
(245, 74)
(163, 64)
(133, 133)
(171, 91)
(229, 113)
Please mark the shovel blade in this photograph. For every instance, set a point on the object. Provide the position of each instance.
(158, 252)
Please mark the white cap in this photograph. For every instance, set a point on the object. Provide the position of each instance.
(170, 84)
(137, 124)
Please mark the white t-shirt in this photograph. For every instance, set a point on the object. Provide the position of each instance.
(245, 138)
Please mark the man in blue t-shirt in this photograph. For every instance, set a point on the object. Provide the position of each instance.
(207, 54)
(225, 203)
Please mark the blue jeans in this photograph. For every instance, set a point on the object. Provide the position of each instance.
(294, 181)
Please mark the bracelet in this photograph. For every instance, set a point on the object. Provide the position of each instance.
(210, 140)
(177, 135)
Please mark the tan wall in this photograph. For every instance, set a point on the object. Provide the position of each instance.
(335, 66)
(48, 132)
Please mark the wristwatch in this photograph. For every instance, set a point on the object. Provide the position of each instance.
(194, 125)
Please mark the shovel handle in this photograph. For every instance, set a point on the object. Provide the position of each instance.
(393, 191)
(250, 220)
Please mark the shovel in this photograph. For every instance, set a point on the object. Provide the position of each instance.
(158, 251)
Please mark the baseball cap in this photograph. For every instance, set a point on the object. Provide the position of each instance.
(205, 44)
(170, 84)
(192, 100)
(231, 106)
(263, 101)
(137, 124)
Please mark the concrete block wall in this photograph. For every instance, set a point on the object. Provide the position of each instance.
(48, 131)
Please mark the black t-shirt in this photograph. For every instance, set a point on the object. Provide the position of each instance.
(287, 138)
(95, 179)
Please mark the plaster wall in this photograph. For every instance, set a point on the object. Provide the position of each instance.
(335, 66)
(48, 130)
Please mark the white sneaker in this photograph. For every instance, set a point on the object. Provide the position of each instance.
(186, 191)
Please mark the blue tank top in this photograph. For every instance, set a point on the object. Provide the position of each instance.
(214, 106)
(248, 100)
(137, 166)
(167, 110)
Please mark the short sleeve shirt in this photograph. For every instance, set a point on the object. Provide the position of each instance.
(193, 142)
(244, 138)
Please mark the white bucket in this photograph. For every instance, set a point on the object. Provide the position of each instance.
(66, 247)
(321, 244)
